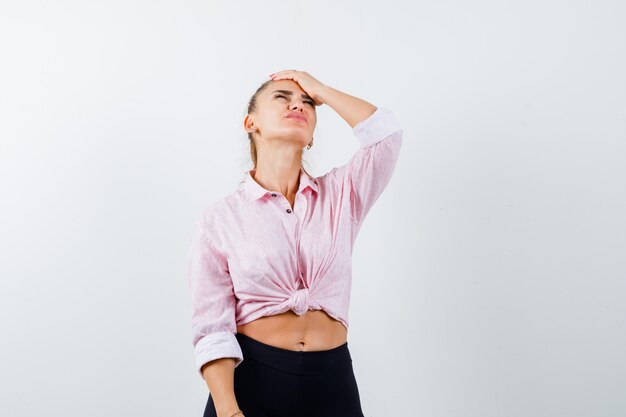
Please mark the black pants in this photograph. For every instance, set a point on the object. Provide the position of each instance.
(276, 382)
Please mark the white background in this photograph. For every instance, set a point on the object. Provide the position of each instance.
(488, 280)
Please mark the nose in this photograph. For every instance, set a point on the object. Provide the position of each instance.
(299, 103)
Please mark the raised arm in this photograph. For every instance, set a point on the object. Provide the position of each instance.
(379, 134)
(217, 351)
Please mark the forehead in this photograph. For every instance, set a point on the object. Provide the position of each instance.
(288, 85)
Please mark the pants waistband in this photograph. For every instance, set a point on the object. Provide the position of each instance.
(295, 362)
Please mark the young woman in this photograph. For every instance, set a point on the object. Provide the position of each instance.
(270, 264)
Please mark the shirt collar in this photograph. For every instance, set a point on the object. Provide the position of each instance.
(254, 190)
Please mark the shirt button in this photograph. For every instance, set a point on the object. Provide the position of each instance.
(273, 194)
(288, 210)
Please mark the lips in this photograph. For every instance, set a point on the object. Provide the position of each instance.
(297, 116)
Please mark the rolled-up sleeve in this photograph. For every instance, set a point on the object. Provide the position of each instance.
(370, 169)
(212, 302)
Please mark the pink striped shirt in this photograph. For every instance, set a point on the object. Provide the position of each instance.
(253, 255)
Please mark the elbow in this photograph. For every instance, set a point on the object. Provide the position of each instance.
(216, 345)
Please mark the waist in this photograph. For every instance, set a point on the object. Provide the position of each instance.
(314, 330)
(306, 362)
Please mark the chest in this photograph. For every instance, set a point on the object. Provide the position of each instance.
(279, 238)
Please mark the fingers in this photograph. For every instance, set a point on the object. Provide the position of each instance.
(282, 73)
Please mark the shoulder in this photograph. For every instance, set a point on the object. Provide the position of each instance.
(217, 209)
(329, 180)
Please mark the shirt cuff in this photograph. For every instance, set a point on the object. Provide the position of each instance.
(376, 127)
(215, 346)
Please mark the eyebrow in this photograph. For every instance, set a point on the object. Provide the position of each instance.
(289, 93)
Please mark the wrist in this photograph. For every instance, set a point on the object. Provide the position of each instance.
(322, 94)
(230, 412)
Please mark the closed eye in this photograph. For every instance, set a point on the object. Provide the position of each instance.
(306, 101)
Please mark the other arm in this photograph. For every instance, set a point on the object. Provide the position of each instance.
(216, 349)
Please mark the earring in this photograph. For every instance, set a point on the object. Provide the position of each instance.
(310, 144)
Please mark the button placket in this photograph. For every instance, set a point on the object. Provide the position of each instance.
(288, 209)
(301, 207)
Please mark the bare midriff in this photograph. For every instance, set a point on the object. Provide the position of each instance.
(315, 330)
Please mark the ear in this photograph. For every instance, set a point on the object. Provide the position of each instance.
(248, 124)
